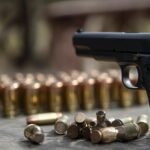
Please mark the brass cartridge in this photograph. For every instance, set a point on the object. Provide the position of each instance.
(114, 87)
(74, 131)
(128, 131)
(96, 136)
(61, 125)
(143, 124)
(43, 118)
(32, 100)
(86, 93)
(126, 97)
(80, 119)
(11, 100)
(34, 133)
(101, 118)
(86, 132)
(109, 134)
(55, 97)
(70, 95)
(141, 97)
(103, 91)
(120, 122)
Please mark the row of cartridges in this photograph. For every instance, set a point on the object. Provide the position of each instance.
(99, 129)
(38, 93)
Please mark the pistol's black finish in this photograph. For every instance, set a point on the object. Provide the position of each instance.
(128, 49)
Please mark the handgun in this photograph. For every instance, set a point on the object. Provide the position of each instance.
(127, 49)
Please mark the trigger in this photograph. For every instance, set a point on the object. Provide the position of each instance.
(126, 80)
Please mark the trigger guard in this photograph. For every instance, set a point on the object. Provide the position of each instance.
(125, 78)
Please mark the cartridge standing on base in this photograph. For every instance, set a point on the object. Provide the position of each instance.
(55, 97)
(34, 133)
(120, 122)
(102, 91)
(141, 97)
(128, 132)
(11, 100)
(43, 118)
(70, 95)
(86, 93)
(126, 97)
(61, 125)
(32, 101)
(142, 122)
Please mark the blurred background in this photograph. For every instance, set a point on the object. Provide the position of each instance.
(36, 36)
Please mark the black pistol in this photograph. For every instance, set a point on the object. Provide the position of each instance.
(128, 49)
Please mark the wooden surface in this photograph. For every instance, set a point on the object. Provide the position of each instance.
(12, 138)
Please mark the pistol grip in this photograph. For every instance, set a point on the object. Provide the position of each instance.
(125, 68)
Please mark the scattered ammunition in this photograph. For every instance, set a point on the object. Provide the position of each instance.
(91, 121)
(86, 93)
(96, 136)
(32, 100)
(86, 132)
(109, 134)
(70, 95)
(142, 122)
(120, 122)
(80, 119)
(74, 131)
(55, 96)
(101, 118)
(128, 131)
(11, 100)
(141, 97)
(43, 118)
(61, 125)
(34, 133)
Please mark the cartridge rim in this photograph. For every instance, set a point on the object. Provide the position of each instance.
(96, 136)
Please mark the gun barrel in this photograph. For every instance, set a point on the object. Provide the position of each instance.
(111, 43)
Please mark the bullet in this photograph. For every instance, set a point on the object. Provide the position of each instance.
(102, 91)
(142, 122)
(34, 133)
(80, 118)
(101, 118)
(90, 121)
(61, 125)
(109, 134)
(86, 132)
(43, 118)
(55, 96)
(70, 95)
(32, 100)
(120, 122)
(128, 131)
(74, 131)
(114, 87)
(86, 93)
(126, 97)
(11, 100)
(141, 97)
(96, 136)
